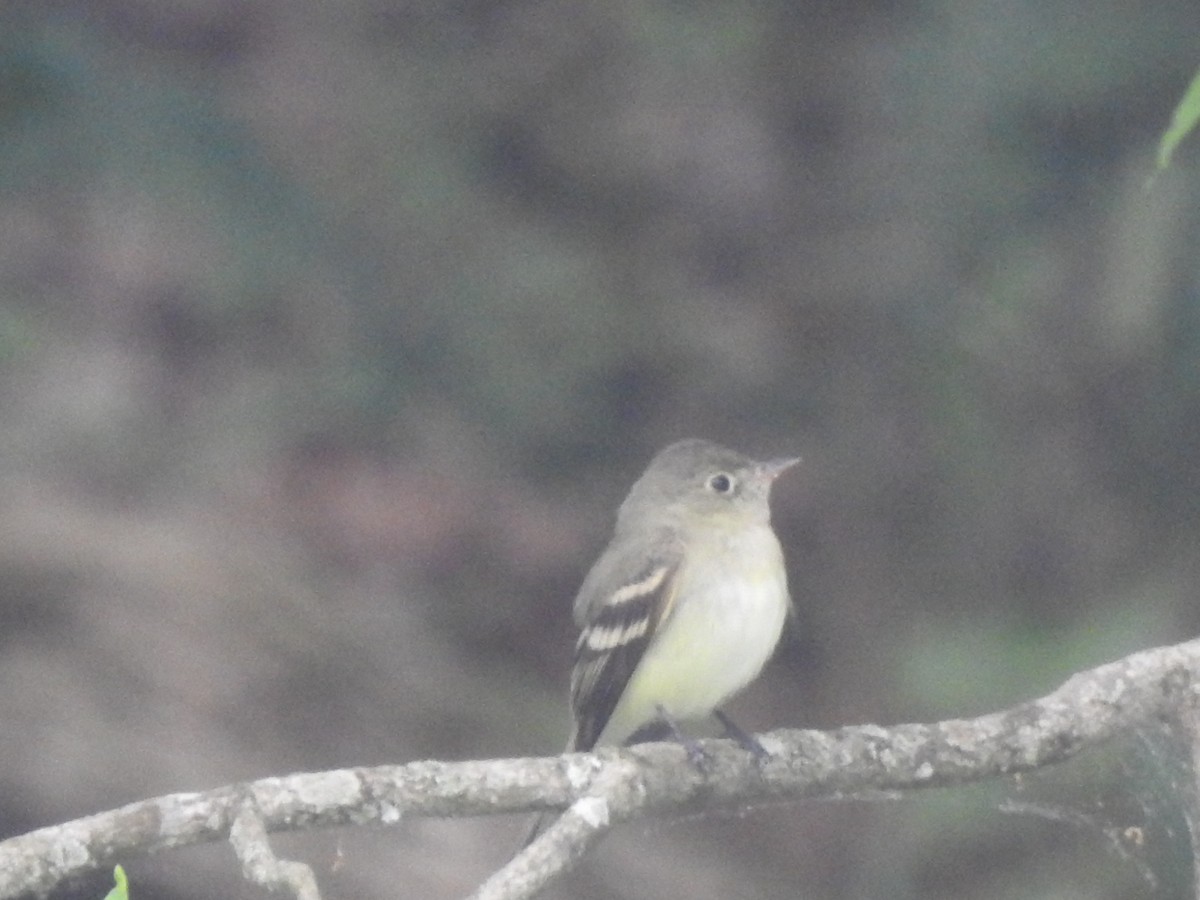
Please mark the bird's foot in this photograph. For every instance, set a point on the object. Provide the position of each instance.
(745, 740)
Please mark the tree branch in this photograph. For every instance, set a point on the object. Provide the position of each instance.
(613, 786)
(248, 835)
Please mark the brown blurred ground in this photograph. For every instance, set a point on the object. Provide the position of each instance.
(332, 333)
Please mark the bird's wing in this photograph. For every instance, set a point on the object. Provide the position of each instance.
(617, 626)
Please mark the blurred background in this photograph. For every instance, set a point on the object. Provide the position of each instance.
(332, 334)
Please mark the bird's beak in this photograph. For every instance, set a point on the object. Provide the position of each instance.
(773, 468)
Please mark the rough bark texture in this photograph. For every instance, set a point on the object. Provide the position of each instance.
(608, 787)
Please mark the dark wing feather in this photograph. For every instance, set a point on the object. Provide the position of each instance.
(611, 646)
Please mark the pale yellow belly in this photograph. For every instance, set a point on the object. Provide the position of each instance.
(715, 644)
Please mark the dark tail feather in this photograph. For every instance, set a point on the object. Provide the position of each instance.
(540, 824)
(544, 820)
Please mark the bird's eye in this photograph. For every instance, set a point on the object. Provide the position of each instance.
(721, 483)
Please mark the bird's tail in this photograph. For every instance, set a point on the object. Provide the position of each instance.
(540, 824)
(544, 820)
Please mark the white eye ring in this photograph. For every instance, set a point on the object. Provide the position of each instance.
(720, 483)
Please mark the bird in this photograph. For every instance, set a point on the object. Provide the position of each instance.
(685, 605)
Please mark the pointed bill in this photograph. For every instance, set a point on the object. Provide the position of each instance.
(773, 468)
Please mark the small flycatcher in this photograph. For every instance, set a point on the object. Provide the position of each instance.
(687, 603)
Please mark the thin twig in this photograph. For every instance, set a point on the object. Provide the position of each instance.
(248, 835)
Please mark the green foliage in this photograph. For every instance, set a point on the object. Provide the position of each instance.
(121, 890)
(1183, 122)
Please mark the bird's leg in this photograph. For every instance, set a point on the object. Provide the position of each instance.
(664, 727)
(747, 741)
